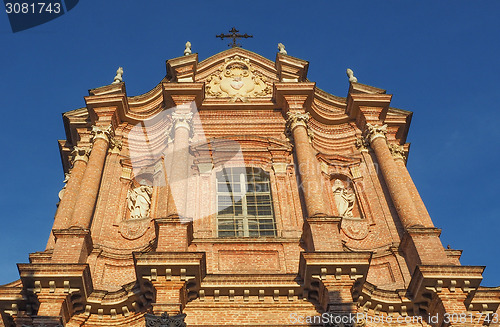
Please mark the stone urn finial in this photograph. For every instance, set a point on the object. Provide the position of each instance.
(281, 48)
(351, 76)
(119, 76)
(187, 51)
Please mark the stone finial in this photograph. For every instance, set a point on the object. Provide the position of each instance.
(281, 48)
(350, 74)
(187, 51)
(118, 77)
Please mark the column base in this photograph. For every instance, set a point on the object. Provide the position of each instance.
(324, 233)
(173, 234)
(422, 246)
(73, 245)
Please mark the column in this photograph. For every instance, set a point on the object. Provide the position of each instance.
(175, 231)
(399, 157)
(395, 182)
(68, 200)
(420, 244)
(178, 179)
(74, 243)
(307, 164)
(85, 203)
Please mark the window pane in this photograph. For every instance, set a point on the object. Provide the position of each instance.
(238, 213)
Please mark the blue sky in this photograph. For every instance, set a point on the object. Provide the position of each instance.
(438, 58)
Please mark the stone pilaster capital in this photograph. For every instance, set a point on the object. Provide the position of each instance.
(79, 153)
(374, 131)
(101, 132)
(182, 120)
(397, 151)
(361, 144)
(115, 145)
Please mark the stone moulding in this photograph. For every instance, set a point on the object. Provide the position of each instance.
(133, 229)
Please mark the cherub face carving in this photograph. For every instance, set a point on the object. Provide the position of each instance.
(238, 80)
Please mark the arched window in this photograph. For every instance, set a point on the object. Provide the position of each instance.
(244, 203)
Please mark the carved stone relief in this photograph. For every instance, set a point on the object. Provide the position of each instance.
(165, 320)
(134, 228)
(139, 201)
(344, 199)
(238, 80)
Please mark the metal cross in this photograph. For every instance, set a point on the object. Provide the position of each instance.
(234, 35)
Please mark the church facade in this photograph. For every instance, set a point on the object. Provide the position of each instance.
(237, 193)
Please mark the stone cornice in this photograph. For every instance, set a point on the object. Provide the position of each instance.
(175, 94)
(291, 69)
(294, 96)
(110, 107)
(430, 279)
(317, 265)
(357, 102)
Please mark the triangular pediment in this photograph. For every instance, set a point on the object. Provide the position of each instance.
(261, 64)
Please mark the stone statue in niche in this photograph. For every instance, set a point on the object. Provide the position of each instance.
(344, 199)
(139, 201)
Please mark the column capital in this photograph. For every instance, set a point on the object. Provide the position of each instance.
(80, 153)
(115, 145)
(397, 151)
(295, 119)
(361, 144)
(101, 132)
(373, 132)
(184, 119)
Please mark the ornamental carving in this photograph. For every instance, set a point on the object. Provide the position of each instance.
(344, 199)
(374, 131)
(165, 320)
(134, 228)
(295, 119)
(100, 132)
(238, 80)
(355, 228)
(397, 151)
(79, 153)
(361, 144)
(139, 201)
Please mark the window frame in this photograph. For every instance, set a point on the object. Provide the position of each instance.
(241, 223)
